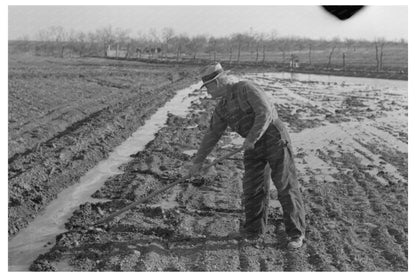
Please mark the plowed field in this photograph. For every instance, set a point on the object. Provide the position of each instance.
(350, 141)
(65, 115)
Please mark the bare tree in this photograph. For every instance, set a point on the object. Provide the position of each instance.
(259, 38)
(381, 55)
(93, 43)
(264, 53)
(271, 41)
(334, 43)
(379, 45)
(141, 43)
(80, 40)
(284, 47)
(61, 39)
(343, 61)
(43, 35)
(121, 37)
(330, 55)
(310, 54)
(180, 41)
(167, 35)
(212, 47)
(72, 42)
(154, 39)
(237, 39)
(196, 44)
(106, 37)
(230, 46)
(54, 37)
(349, 43)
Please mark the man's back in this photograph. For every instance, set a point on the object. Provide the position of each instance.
(241, 105)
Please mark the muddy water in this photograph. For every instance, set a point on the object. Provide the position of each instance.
(331, 79)
(39, 236)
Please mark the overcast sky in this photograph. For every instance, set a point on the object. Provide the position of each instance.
(389, 22)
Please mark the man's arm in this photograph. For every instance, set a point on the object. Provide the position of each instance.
(214, 133)
(263, 111)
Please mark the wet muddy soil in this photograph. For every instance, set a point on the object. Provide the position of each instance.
(67, 115)
(350, 143)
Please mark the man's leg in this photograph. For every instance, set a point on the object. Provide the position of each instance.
(289, 195)
(266, 184)
(255, 194)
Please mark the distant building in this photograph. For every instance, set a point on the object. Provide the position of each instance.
(117, 52)
(150, 51)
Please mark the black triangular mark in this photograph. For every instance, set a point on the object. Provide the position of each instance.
(342, 12)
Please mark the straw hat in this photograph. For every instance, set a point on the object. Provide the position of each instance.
(211, 72)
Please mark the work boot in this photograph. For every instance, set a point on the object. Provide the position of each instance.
(295, 242)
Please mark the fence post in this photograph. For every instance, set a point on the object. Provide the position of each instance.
(343, 61)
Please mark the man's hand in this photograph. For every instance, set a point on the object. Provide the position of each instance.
(248, 145)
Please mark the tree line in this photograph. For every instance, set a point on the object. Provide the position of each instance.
(167, 44)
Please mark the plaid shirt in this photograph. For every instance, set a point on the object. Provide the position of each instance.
(245, 109)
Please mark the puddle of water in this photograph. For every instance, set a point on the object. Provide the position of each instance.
(328, 92)
(192, 126)
(334, 79)
(344, 134)
(39, 236)
(190, 152)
